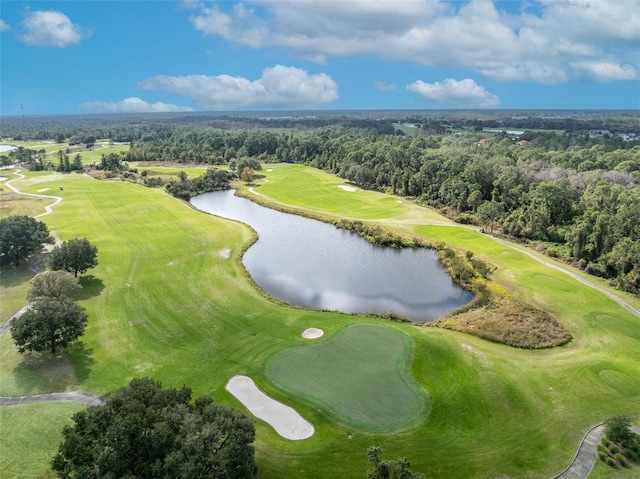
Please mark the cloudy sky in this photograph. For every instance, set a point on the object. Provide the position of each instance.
(154, 56)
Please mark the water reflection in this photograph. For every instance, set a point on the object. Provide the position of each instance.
(313, 264)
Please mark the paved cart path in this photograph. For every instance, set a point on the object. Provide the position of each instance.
(585, 458)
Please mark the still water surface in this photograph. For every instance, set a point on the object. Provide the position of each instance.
(314, 264)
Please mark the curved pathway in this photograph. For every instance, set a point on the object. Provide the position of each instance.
(48, 209)
(585, 458)
(33, 266)
(84, 398)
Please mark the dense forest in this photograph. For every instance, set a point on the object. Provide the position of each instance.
(567, 184)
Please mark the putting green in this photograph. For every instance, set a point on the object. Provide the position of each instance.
(358, 375)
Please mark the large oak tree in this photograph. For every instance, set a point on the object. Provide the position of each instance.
(144, 431)
(49, 324)
(75, 256)
(20, 237)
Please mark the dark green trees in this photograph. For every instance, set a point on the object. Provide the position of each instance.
(75, 256)
(618, 429)
(49, 324)
(389, 469)
(145, 431)
(20, 237)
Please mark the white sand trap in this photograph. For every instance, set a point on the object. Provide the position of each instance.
(225, 253)
(312, 333)
(43, 189)
(350, 189)
(270, 170)
(284, 419)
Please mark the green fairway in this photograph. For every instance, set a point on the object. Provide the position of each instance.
(359, 376)
(164, 303)
(314, 189)
(30, 436)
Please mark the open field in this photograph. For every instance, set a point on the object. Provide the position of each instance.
(163, 303)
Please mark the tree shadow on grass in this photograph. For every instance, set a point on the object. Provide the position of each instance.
(81, 358)
(91, 286)
(45, 372)
(11, 275)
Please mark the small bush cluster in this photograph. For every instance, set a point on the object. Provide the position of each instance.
(621, 447)
(376, 234)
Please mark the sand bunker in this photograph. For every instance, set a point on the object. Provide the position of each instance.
(312, 333)
(347, 188)
(284, 419)
(42, 190)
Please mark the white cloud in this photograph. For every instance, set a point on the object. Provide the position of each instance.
(131, 105)
(475, 35)
(4, 26)
(384, 86)
(50, 28)
(450, 92)
(604, 71)
(279, 87)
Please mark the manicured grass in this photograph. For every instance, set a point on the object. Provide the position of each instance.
(94, 155)
(358, 375)
(14, 283)
(311, 188)
(13, 204)
(30, 437)
(163, 303)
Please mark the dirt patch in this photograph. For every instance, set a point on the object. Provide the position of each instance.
(284, 419)
(312, 333)
(225, 253)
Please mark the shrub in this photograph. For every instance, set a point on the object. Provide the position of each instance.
(613, 448)
(464, 219)
(602, 455)
(630, 454)
(605, 441)
(602, 448)
(609, 461)
(621, 460)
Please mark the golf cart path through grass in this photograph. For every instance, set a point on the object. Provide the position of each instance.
(507, 244)
(48, 208)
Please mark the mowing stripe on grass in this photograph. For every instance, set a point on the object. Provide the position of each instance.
(359, 375)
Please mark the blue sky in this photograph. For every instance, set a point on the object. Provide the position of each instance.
(70, 57)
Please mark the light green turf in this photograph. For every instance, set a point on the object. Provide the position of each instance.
(95, 154)
(29, 438)
(297, 185)
(162, 302)
(358, 375)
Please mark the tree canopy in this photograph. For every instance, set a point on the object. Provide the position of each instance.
(389, 468)
(75, 256)
(53, 284)
(49, 324)
(20, 237)
(144, 431)
(618, 429)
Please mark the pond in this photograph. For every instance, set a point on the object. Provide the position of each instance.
(314, 264)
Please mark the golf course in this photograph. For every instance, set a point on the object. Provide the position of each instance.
(170, 300)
